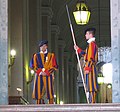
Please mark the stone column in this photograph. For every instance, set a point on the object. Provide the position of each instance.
(79, 82)
(26, 56)
(46, 24)
(74, 78)
(115, 44)
(39, 19)
(70, 81)
(61, 70)
(66, 77)
(54, 36)
(4, 51)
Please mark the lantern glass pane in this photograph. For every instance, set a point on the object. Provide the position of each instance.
(100, 80)
(81, 17)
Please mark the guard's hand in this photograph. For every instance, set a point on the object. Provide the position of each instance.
(76, 47)
(87, 71)
(38, 71)
(47, 72)
(42, 73)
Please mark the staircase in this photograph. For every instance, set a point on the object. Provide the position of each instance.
(108, 107)
(17, 100)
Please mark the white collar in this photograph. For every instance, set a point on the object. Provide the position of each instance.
(91, 40)
(44, 52)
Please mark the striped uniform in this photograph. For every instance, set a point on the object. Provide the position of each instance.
(91, 58)
(43, 83)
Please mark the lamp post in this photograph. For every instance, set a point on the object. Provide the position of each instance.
(19, 90)
(12, 58)
(108, 87)
(105, 83)
(81, 13)
(100, 79)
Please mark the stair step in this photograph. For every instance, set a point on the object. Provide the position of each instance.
(108, 107)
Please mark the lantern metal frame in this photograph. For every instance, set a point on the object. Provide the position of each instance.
(81, 13)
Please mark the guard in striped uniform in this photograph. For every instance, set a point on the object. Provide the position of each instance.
(44, 64)
(90, 58)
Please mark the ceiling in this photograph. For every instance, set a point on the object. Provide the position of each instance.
(100, 19)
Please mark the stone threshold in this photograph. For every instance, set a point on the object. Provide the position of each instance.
(98, 107)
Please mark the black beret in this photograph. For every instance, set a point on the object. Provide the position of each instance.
(90, 29)
(43, 42)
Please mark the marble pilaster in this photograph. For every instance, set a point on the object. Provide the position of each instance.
(115, 45)
(16, 42)
(4, 52)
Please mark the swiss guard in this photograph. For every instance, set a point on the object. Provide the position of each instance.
(90, 58)
(44, 64)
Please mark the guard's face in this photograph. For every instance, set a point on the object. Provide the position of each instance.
(88, 35)
(43, 48)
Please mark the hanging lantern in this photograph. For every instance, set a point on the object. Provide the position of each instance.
(81, 13)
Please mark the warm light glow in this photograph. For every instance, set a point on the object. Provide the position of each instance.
(82, 17)
(27, 71)
(100, 80)
(13, 53)
(61, 102)
(32, 71)
(19, 89)
(109, 86)
(107, 73)
(54, 96)
(81, 14)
